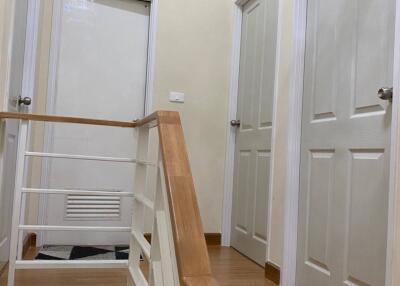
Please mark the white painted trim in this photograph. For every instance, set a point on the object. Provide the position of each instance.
(8, 40)
(48, 128)
(18, 184)
(71, 264)
(151, 58)
(32, 30)
(74, 228)
(29, 68)
(294, 141)
(29, 72)
(393, 251)
(275, 122)
(77, 192)
(89, 158)
(231, 132)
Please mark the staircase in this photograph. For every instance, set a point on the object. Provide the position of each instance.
(177, 253)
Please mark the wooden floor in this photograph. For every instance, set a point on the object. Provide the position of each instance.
(229, 268)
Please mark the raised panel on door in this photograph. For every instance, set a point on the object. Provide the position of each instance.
(261, 198)
(344, 172)
(322, 78)
(253, 138)
(320, 188)
(243, 165)
(365, 259)
(373, 42)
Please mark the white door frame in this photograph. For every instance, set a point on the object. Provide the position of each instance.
(293, 166)
(51, 90)
(28, 81)
(231, 131)
(29, 66)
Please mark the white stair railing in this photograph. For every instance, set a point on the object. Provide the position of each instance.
(18, 227)
(160, 254)
(177, 253)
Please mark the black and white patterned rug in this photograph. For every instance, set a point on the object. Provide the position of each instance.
(69, 252)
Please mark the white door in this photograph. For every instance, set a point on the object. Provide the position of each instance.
(101, 73)
(253, 136)
(344, 181)
(10, 127)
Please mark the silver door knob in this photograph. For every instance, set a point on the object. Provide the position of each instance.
(25, 101)
(235, 123)
(386, 93)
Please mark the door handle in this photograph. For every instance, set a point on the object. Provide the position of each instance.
(235, 123)
(386, 93)
(25, 101)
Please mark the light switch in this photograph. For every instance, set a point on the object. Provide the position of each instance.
(176, 97)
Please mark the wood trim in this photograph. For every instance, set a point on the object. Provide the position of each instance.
(29, 241)
(66, 119)
(211, 238)
(272, 273)
(81, 120)
(3, 269)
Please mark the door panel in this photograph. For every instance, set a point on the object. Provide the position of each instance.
(253, 138)
(367, 192)
(10, 128)
(344, 172)
(101, 73)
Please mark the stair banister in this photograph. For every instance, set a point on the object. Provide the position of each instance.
(177, 252)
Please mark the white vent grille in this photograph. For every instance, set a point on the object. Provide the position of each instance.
(93, 207)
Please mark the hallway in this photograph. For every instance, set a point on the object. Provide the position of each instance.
(229, 268)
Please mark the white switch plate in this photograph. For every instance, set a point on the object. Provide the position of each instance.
(176, 97)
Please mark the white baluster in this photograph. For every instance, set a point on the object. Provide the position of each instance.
(19, 178)
(138, 209)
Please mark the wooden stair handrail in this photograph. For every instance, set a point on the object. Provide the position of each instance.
(190, 245)
(66, 119)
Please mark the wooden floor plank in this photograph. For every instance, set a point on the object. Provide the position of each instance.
(228, 267)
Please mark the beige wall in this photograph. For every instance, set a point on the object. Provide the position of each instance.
(5, 25)
(193, 56)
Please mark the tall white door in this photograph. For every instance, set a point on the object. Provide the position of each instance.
(253, 136)
(10, 128)
(345, 152)
(101, 73)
